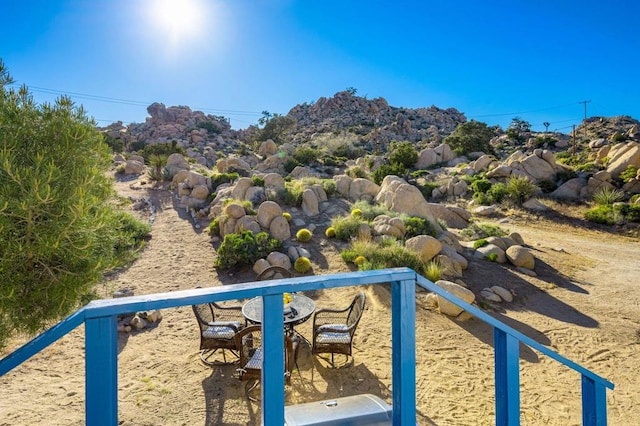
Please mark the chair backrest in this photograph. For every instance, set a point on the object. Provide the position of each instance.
(204, 314)
(355, 311)
(271, 271)
(248, 340)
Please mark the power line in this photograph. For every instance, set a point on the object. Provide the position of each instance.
(523, 112)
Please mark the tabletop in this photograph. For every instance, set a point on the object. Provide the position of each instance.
(301, 309)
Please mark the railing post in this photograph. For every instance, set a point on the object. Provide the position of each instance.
(272, 360)
(101, 371)
(507, 372)
(403, 336)
(594, 403)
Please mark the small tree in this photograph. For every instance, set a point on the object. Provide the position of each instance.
(518, 128)
(57, 227)
(471, 136)
(276, 127)
(403, 153)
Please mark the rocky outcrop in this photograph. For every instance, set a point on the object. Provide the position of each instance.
(622, 156)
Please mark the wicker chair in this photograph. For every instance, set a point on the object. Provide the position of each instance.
(333, 329)
(249, 343)
(271, 273)
(218, 324)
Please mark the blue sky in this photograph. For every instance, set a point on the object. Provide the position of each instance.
(492, 60)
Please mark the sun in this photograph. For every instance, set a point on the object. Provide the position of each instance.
(182, 20)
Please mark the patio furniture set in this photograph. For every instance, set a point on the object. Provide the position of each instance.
(237, 329)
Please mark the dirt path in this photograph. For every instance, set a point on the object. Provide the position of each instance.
(583, 304)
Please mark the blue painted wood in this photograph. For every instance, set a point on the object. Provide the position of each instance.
(108, 307)
(40, 342)
(403, 341)
(273, 360)
(507, 374)
(101, 371)
(594, 403)
(483, 316)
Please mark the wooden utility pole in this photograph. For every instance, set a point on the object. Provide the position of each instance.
(573, 134)
(585, 102)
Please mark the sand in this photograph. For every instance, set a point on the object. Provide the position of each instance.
(584, 304)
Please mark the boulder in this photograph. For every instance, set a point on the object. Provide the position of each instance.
(260, 265)
(275, 258)
(268, 211)
(343, 184)
(449, 308)
(363, 189)
(241, 187)
(386, 225)
(426, 158)
(177, 162)
(570, 190)
(425, 246)
(521, 257)
(456, 257)
(450, 268)
(535, 205)
(500, 172)
(622, 156)
(200, 192)
(538, 168)
(397, 195)
(310, 204)
(503, 293)
(247, 223)
(133, 167)
(444, 153)
(268, 147)
(273, 180)
(490, 295)
(234, 210)
(484, 251)
(279, 228)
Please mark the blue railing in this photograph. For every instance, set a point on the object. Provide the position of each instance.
(101, 338)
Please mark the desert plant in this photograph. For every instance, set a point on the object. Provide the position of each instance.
(214, 227)
(302, 264)
(606, 196)
(346, 227)
(480, 243)
(491, 257)
(404, 154)
(476, 231)
(303, 235)
(433, 271)
(418, 226)
(371, 211)
(393, 255)
(357, 213)
(356, 172)
(471, 136)
(520, 189)
(306, 155)
(385, 170)
(602, 214)
(359, 260)
(291, 194)
(218, 179)
(157, 163)
(257, 180)
(287, 216)
(629, 173)
(330, 232)
(245, 248)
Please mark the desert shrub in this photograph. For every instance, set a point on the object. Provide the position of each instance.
(619, 137)
(631, 212)
(291, 164)
(427, 188)
(210, 127)
(442, 224)
(161, 149)
(330, 186)
(602, 214)
(257, 180)
(497, 193)
(491, 257)
(303, 235)
(214, 227)
(348, 255)
(346, 227)
(520, 189)
(404, 154)
(385, 170)
(333, 161)
(371, 211)
(547, 140)
(349, 151)
(291, 194)
(565, 175)
(418, 226)
(287, 216)
(635, 199)
(306, 155)
(480, 243)
(330, 232)
(433, 271)
(356, 172)
(481, 186)
(245, 248)
(302, 264)
(218, 179)
(589, 167)
(547, 186)
(629, 173)
(471, 136)
(391, 256)
(116, 144)
(131, 236)
(606, 196)
(157, 163)
(476, 231)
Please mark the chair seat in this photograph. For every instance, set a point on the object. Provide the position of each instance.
(255, 362)
(221, 330)
(331, 337)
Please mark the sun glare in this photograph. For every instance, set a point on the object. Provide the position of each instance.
(181, 19)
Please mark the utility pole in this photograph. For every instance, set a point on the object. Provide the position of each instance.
(585, 102)
(573, 134)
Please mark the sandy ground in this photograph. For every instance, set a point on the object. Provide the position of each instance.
(584, 304)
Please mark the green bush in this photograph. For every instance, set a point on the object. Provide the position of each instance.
(291, 194)
(356, 172)
(306, 155)
(214, 227)
(218, 179)
(418, 226)
(471, 136)
(371, 211)
(245, 248)
(433, 271)
(388, 256)
(497, 193)
(629, 173)
(602, 214)
(403, 154)
(210, 127)
(346, 227)
(385, 170)
(427, 189)
(606, 196)
(481, 186)
(291, 164)
(161, 149)
(480, 243)
(491, 257)
(520, 189)
(476, 231)
(257, 180)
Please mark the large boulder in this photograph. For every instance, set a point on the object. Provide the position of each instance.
(424, 246)
(449, 308)
(489, 250)
(521, 257)
(177, 162)
(622, 156)
(343, 184)
(268, 147)
(570, 190)
(426, 158)
(310, 204)
(387, 225)
(133, 167)
(268, 211)
(275, 258)
(279, 228)
(363, 189)
(274, 181)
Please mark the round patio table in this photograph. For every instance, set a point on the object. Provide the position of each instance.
(302, 308)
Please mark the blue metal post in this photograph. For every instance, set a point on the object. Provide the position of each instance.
(272, 360)
(403, 335)
(594, 403)
(101, 375)
(506, 348)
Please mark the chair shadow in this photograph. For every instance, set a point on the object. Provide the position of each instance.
(222, 386)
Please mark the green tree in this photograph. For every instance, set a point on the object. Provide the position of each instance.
(471, 136)
(58, 230)
(403, 153)
(517, 129)
(276, 127)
